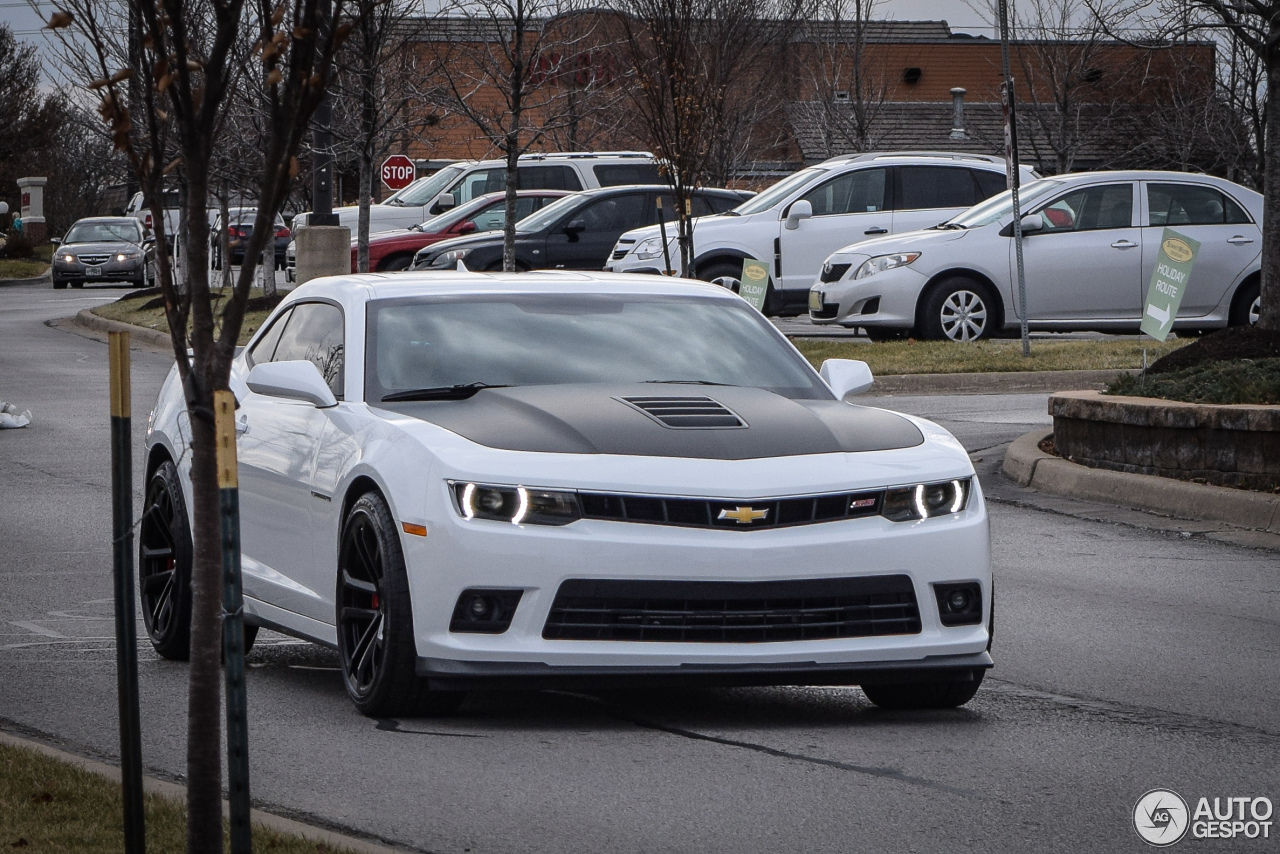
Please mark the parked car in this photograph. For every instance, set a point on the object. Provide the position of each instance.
(466, 480)
(805, 217)
(104, 249)
(239, 233)
(394, 250)
(574, 233)
(172, 214)
(459, 183)
(1090, 246)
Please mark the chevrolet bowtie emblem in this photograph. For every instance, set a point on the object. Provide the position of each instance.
(743, 515)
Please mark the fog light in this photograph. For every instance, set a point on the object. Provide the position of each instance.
(478, 607)
(485, 611)
(959, 603)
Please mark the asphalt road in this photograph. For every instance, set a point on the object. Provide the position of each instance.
(1127, 659)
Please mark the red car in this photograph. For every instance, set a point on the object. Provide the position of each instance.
(394, 250)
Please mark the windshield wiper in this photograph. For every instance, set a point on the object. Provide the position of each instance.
(730, 213)
(462, 391)
(686, 382)
(950, 225)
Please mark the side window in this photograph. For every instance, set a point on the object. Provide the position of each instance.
(492, 217)
(477, 184)
(619, 213)
(698, 204)
(989, 183)
(314, 332)
(541, 177)
(720, 204)
(1186, 204)
(1107, 206)
(266, 346)
(617, 174)
(860, 191)
(924, 187)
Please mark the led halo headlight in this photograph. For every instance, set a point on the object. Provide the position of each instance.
(649, 249)
(880, 263)
(515, 504)
(446, 259)
(926, 500)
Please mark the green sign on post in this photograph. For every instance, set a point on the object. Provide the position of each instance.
(755, 283)
(1168, 283)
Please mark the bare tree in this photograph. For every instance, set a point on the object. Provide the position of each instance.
(163, 72)
(492, 68)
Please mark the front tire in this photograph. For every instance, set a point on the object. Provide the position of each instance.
(164, 565)
(395, 263)
(959, 309)
(375, 619)
(938, 694)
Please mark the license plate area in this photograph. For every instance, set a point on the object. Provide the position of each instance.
(93, 270)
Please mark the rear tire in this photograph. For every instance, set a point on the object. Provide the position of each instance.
(375, 619)
(394, 263)
(1247, 304)
(938, 694)
(959, 309)
(730, 276)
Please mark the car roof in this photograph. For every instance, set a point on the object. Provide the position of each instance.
(465, 282)
(655, 188)
(1144, 175)
(110, 219)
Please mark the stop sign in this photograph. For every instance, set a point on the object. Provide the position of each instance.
(397, 171)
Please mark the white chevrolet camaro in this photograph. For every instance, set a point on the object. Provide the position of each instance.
(465, 480)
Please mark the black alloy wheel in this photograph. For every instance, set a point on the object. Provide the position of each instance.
(938, 694)
(394, 263)
(375, 619)
(164, 565)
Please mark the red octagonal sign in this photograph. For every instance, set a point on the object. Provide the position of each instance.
(397, 171)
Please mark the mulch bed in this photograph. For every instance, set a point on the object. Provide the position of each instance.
(1239, 342)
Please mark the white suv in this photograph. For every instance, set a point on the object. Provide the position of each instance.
(459, 183)
(796, 223)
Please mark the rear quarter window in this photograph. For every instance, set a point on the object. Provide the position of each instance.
(617, 174)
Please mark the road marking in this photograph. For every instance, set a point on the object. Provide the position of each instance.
(36, 628)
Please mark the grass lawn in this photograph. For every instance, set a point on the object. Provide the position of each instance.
(945, 357)
(50, 806)
(147, 310)
(27, 268)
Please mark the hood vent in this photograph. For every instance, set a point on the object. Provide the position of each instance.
(686, 413)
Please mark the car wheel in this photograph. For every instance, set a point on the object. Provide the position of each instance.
(394, 263)
(59, 286)
(164, 565)
(877, 333)
(938, 694)
(76, 284)
(375, 620)
(958, 310)
(730, 276)
(1247, 306)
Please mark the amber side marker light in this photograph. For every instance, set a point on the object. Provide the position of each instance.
(416, 530)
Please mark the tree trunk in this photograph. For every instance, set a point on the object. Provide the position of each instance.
(366, 193)
(513, 184)
(1270, 317)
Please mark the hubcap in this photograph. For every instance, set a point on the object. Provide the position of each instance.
(362, 615)
(1255, 310)
(730, 282)
(964, 316)
(158, 564)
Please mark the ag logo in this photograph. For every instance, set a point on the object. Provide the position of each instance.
(1178, 250)
(755, 272)
(1161, 817)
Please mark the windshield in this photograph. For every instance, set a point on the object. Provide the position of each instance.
(555, 339)
(423, 191)
(458, 214)
(549, 214)
(998, 207)
(105, 232)
(778, 191)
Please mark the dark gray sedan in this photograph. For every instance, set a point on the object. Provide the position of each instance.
(104, 249)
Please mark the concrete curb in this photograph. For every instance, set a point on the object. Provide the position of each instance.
(88, 320)
(1010, 382)
(173, 791)
(35, 280)
(1027, 465)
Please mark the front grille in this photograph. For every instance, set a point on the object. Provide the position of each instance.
(732, 515)
(834, 272)
(94, 259)
(686, 412)
(733, 611)
(829, 310)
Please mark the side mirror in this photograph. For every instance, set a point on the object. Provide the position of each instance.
(467, 227)
(1032, 223)
(446, 201)
(800, 210)
(56, 241)
(296, 380)
(846, 376)
(575, 226)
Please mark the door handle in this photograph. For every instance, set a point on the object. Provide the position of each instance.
(1123, 244)
(1239, 240)
(876, 231)
(242, 425)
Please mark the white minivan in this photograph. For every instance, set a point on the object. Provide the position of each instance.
(798, 222)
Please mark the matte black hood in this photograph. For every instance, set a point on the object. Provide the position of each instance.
(597, 419)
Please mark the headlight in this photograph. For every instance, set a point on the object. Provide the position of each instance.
(925, 500)
(448, 259)
(125, 256)
(649, 249)
(70, 259)
(880, 263)
(516, 504)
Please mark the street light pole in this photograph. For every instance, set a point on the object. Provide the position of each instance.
(322, 142)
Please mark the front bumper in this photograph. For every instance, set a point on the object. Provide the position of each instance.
(460, 555)
(131, 270)
(886, 300)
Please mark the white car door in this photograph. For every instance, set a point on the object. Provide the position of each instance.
(1229, 240)
(1085, 264)
(277, 447)
(848, 208)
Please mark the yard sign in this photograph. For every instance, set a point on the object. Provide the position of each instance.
(1168, 283)
(755, 283)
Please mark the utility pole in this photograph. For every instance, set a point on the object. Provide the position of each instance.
(1011, 164)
